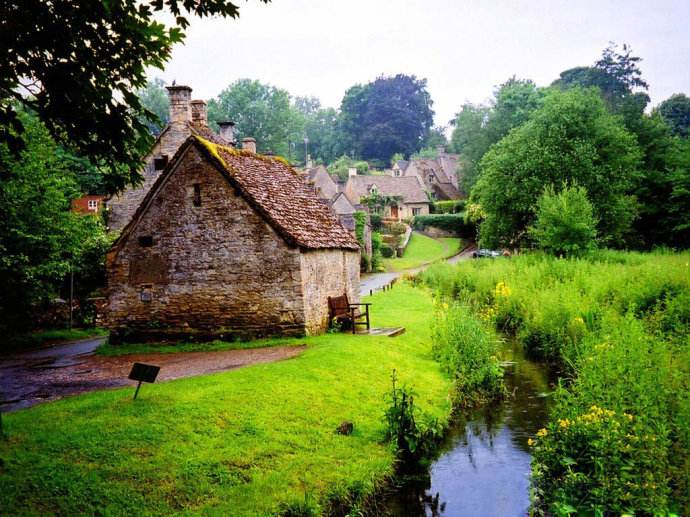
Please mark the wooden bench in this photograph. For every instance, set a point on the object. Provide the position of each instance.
(342, 311)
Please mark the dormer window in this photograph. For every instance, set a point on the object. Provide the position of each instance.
(432, 177)
(160, 162)
(373, 189)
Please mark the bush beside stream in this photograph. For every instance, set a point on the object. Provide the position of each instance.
(616, 326)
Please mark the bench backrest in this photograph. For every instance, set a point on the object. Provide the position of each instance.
(338, 305)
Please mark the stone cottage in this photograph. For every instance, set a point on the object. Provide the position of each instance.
(439, 175)
(410, 190)
(187, 117)
(227, 243)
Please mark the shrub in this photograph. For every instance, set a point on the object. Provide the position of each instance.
(454, 223)
(565, 223)
(412, 440)
(454, 206)
(467, 350)
(396, 228)
(387, 251)
(376, 245)
(376, 222)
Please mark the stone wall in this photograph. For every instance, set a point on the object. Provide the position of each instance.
(327, 273)
(407, 209)
(122, 207)
(203, 271)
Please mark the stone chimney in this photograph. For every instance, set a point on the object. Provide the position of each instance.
(249, 144)
(227, 131)
(199, 112)
(180, 105)
(352, 171)
(441, 149)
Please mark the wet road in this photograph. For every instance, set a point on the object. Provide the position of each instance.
(33, 377)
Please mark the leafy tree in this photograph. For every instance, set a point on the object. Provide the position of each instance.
(616, 74)
(572, 138)
(390, 115)
(678, 205)
(40, 238)
(676, 113)
(320, 126)
(471, 140)
(342, 165)
(259, 110)
(477, 128)
(436, 138)
(78, 67)
(565, 224)
(430, 153)
(396, 158)
(155, 99)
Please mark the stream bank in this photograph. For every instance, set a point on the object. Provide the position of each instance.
(483, 465)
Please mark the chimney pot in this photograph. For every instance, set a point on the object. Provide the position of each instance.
(180, 105)
(199, 112)
(227, 131)
(249, 144)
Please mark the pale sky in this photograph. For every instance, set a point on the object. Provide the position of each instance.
(463, 48)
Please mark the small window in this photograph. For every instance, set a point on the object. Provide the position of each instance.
(93, 204)
(416, 211)
(146, 241)
(197, 194)
(160, 162)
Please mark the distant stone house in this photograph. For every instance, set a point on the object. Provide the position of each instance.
(438, 175)
(399, 167)
(227, 243)
(410, 190)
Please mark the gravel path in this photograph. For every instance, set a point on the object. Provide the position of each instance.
(34, 377)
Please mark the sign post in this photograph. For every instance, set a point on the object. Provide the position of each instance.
(143, 373)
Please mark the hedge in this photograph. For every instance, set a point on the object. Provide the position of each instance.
(454, 223)
(454, 206)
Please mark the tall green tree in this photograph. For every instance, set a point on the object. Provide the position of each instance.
(154, 98)
(570, 138)
(78, 66)
(40, 238)
(387, 116)
(477, 128)
(320, 127)
(259, 110)
(676, 113)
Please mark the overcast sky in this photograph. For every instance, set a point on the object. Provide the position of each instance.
(463, 48)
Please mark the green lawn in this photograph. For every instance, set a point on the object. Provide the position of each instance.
(422, 250)
(236, 443)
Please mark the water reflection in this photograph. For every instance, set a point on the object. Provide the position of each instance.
(484, 464)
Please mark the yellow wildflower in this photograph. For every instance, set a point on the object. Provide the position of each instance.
(530, 442)
(542, 432)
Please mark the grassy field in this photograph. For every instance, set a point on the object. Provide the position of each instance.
(45, 337)
(423, 250)
(245, 442)
(616, 326)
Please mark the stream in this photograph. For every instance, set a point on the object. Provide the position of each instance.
(483, 465)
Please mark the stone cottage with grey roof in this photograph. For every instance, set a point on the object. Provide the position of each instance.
(438, 175)
(227, 243)
(410, 190)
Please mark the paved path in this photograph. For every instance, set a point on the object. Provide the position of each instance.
(33, 377)
(376, 281)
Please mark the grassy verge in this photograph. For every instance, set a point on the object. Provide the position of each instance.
(617, 326)
(46, 337)
(244, 442)
(423, 250)
(107, 349)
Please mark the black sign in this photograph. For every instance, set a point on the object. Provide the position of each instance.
(144, 372)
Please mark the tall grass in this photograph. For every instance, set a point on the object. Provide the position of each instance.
(617, 327)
